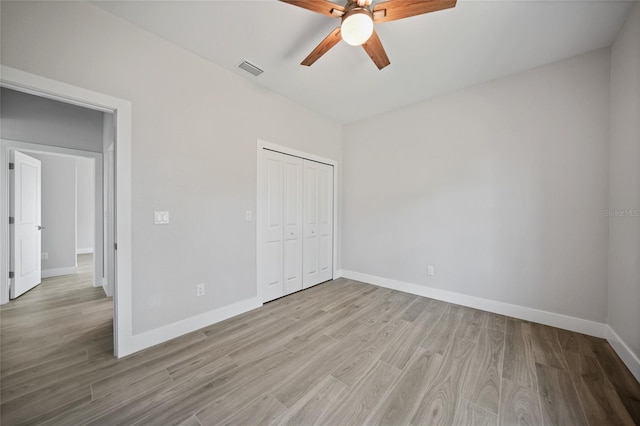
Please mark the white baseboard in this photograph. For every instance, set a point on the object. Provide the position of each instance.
(176, 329)
(579, 325)
(338, 274)
(84, 250)
(105, 287)
(625, 353)
(57, 272)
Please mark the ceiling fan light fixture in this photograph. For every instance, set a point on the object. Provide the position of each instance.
(357, 27)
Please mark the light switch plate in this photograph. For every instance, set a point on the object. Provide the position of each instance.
(248, 216)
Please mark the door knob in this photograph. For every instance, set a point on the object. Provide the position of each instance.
(40, 228)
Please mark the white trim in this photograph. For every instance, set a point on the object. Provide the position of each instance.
(180, 328)
(58, 272)
(261, 145)
(42, 86)
(566, 322)
(88, 250)
(624, 352)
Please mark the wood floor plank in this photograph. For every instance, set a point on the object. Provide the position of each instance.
(42, 401)
(400, 405)
(415, 309)
(483, 380)
(519, 405)
(575, 342)
(178, 402)
(191, 421)
(366, 395)
(261, 412)
(558, 398)
(546, 346)
(519, 364)
(627, 388)
(470, 324)
(96, 408)
(495, 321)
(472, 415)
(200, 365)
(23, 375)
(438, 405)
(354, 366)
(439, 338)
(368, 312)
(293, 388)
(600, 401)
(405, 344)
(219, 409)
(315, 404)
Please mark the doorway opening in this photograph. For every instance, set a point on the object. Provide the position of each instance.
(118, 277)
(56, 220)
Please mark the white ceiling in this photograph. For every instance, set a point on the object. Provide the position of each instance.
(430, 54)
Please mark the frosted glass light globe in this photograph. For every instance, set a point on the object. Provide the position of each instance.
(356, 28)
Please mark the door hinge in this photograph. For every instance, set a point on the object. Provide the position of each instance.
(115, 246)
(11, 220)
(11, 275)
(11, 166)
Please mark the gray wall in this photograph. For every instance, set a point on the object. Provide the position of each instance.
(624, 185)
(501, 187)
(195, 127)
(86, 203)
(29, 118)
(58, 211)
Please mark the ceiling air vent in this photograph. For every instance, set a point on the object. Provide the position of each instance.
(250, 68)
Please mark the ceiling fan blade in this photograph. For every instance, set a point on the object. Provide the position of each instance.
(324, 7)
(398, 9)
(324, 46)
(376, 52)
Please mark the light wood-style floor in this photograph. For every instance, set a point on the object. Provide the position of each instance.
(340, 353)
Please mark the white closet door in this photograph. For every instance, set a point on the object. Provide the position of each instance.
(318, 223)
(293, 176)
(273, 226)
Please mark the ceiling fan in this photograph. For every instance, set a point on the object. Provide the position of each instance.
(358, 18)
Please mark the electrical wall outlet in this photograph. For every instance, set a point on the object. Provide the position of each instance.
(44, 256)
(160, 218)
(248, 216)
(430, 270)
(200, 290)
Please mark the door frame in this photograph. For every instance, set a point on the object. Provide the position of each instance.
(121, 109)
(98, 246)
(264, 145)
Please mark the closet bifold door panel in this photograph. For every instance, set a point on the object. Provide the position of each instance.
(318, 223)
(272, 225)
(292, 224)
(282, 225)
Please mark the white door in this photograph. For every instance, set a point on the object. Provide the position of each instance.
(292, 223)
(25, 231)
(318, 223)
